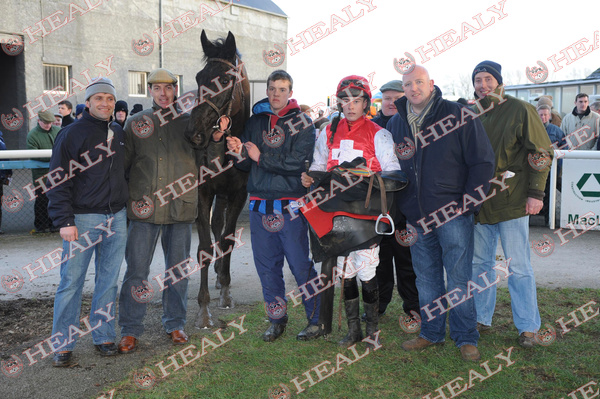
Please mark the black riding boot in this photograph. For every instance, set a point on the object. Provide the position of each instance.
(352, 304)
(371, 299)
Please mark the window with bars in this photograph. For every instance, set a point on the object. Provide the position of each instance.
(56, 75)
(138, 84)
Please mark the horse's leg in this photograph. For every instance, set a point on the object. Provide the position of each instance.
(204, 319)
(236, 204)
(216, 224)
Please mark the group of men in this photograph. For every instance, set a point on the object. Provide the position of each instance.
(103, 176)
(470, 182)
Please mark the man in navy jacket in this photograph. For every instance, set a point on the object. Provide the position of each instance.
(448, 159)
(278, 140)
(88, 194)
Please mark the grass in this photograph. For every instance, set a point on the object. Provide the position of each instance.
(246, 367)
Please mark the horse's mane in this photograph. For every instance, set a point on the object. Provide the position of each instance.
(217, 50)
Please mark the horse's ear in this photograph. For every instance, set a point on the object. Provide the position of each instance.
(206, 44)
(230, 43)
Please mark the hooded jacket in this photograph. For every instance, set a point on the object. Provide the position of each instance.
(518, 137)
(285, 142)
(156, 159)
(92, 178)
(573, 122)
(441, 171)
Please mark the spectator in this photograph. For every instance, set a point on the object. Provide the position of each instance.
(121, 110)
(154, 162)
(136, 108)
(42, 137)
(391, 253)
(441, 172)
(57, 120)
(583, 120)
(595, 107)
(5, 177)
(555, 118)
(65, 109)
(557, 137)
(274, 184)
(321, 120)
(80, 212)
(79, 111)
(517, 135)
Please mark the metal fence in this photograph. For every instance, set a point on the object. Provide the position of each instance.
(17, 208)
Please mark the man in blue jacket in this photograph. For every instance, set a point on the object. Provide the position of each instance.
(278, 140)
(87, 198)
(449, 161)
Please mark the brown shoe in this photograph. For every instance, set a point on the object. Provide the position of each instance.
(483, 329)
(178, 337)
(127, 344)
(527, 340)
(418, 344)
(470, 353)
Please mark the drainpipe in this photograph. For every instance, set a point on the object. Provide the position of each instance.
(160, 24)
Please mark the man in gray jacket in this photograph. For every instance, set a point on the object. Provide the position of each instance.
(160, 162)
(581, 126)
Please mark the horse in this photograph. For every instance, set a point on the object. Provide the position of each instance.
(223, 90)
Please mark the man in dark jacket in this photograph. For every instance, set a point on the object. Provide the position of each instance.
(448, 159)
(65, 109)
(121, 110)
(393, 252)
(523, 155)
(87, 196)
(163, 201)
(278, 140)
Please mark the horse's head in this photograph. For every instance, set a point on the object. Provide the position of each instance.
(223, 89)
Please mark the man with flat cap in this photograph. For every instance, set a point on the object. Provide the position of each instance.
(156, 157)
(42, 137)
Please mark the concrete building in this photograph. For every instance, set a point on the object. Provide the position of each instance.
(51, 50)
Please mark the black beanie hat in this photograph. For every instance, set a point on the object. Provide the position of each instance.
(121, 106)
(490, 67)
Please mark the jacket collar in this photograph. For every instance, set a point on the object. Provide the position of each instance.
(586, 113)
(437, 100)
(88, 117)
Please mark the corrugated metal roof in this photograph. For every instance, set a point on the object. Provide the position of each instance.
(264, 5)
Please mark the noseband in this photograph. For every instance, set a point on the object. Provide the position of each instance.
(236, 85)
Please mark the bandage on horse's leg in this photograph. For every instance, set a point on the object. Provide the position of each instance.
(326, 309)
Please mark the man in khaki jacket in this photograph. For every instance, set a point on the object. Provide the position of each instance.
(160, 162)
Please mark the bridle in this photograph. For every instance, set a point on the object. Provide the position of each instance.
(236, 85)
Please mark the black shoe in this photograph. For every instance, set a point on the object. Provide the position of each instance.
(108, 349)
(311, 331)
(62, 359)
(273, 332)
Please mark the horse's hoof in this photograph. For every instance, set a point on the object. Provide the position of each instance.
(204, 319)
(226, 302)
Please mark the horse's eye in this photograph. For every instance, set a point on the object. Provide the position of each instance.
(225, 81)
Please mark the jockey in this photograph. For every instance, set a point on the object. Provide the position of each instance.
(344, 140)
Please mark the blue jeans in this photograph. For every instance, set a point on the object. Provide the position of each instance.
(514, 235)
(176, 241)
(269, 249)
(448, 247)
(109, 249)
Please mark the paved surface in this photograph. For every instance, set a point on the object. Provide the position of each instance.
(574, 264)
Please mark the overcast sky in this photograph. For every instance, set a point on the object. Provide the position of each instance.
(529, 32)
